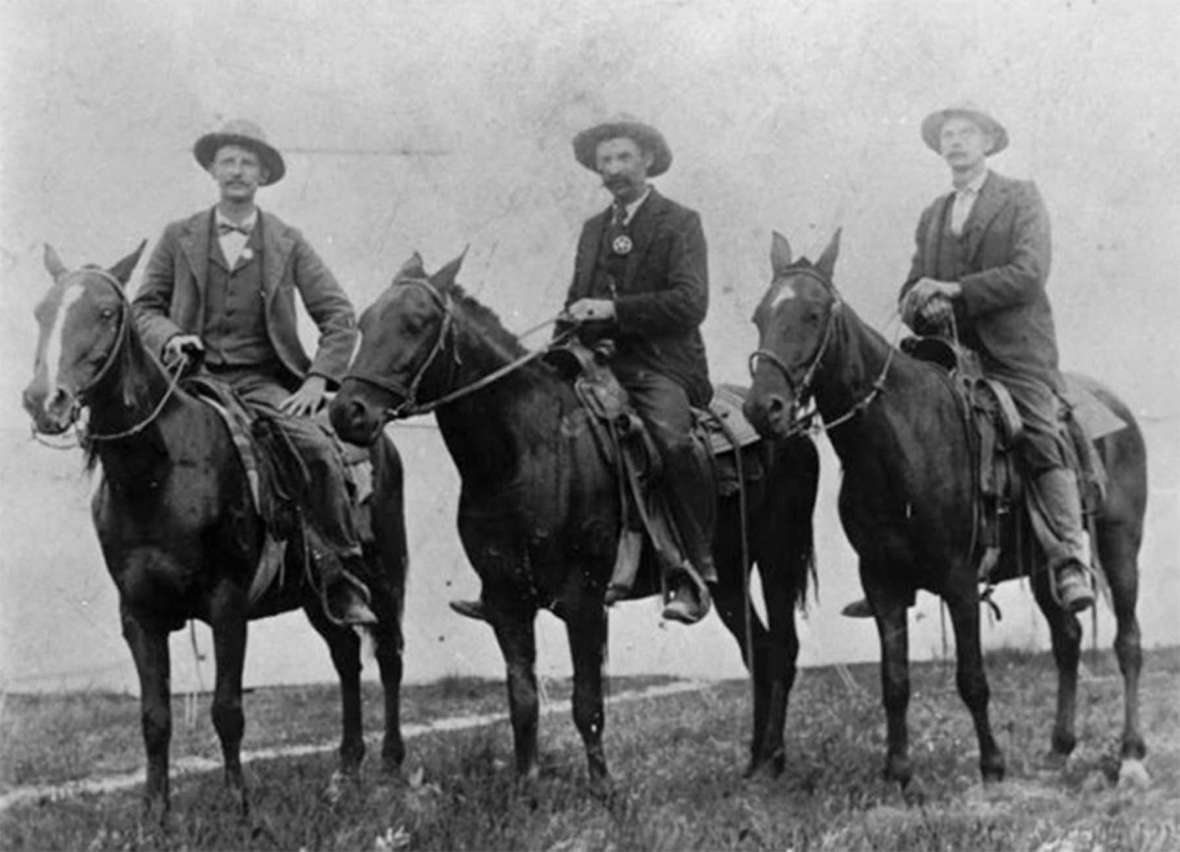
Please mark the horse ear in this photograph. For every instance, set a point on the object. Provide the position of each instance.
(445, 277)
(123, 269)
(780, 253)
(53, 263)
(412, 268)
(827, 260)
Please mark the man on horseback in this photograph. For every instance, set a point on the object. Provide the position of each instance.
(641, 280)
(980, 269)
(220, 288)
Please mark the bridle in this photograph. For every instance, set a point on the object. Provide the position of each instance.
(122, 334)
(802, 421)
(409, 406)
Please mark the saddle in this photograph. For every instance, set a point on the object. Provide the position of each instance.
(995, 427)
(277, 478)
(723, 438)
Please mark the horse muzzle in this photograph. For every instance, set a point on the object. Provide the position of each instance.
(52, 413)
(355, 419)
(771, 414)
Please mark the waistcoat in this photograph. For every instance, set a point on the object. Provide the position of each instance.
(235, 310)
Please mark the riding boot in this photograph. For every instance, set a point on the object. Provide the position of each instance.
(345, 597)
(1057, 521)
(470, 609)
(689, 493)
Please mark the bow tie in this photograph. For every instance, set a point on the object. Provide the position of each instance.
(224, 228)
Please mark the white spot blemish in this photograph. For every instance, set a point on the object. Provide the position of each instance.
(71, 294)
(785, 291)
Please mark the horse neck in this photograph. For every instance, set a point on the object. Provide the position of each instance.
(487, 431)
(126, 397)
(912, 406)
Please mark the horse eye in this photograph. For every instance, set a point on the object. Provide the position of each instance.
(107, 313)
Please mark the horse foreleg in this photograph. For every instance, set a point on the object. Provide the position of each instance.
(344, 646)
(149, 648)
(1119, 546)
(972, 679)
(586, 627)
(889, 609)
(228, 620)
(733, 604)
(518, 644)
(1065, 634)
(387, 634)
(784, 651)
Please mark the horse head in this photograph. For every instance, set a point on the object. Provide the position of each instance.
(795, 321)
(84, 321)
(406, 350)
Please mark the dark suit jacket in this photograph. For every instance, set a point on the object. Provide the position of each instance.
(170, 300)
(1004, 303)
(663, 295)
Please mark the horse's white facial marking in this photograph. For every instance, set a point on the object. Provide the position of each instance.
(785, 292)
(53, 345)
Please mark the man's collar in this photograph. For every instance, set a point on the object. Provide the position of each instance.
(248, 223)
(630, 209)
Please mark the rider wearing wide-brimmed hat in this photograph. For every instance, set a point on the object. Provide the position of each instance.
(641, 279)
(982, 258)
(221, 284)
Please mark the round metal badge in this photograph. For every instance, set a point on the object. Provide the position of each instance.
(622, 245)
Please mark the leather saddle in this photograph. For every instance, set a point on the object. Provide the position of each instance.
(1005, 546)
(278, 478)
(725, 442)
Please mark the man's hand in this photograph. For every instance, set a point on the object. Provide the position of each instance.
(181, 347)
(308, 399)
(593, 310)
(919, 298)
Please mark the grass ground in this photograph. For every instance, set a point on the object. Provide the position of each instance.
(676, 761)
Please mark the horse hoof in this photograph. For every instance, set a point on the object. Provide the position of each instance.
(1133, 775)
(913, 794)
(340, 784)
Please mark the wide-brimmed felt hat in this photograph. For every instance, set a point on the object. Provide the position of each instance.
(645, 136)
(932, 126)
(246, 133)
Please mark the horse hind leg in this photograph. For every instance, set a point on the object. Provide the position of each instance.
(1118, 546)
(149, 648)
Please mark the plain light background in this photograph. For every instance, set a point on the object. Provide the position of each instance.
(432, 125)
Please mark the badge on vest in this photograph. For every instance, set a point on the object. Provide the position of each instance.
(622, 245)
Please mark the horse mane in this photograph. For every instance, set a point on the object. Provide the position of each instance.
(486, 321)
(130, 379)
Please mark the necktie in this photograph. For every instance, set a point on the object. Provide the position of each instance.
(964, 199)
(224, 228)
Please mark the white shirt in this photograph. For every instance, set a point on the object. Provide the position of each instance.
(965, 200)
(233, 242)
(629, 210)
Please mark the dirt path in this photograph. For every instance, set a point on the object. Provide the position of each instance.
(191, 765)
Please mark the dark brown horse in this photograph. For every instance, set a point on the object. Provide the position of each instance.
(539, 512)
(177, 524)
(907, 497)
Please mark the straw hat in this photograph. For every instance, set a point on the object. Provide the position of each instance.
(932, 126)
(239, 131)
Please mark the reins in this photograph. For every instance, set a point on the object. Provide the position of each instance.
(409, 405)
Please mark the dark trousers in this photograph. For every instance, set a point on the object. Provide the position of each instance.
(1040, 409)
(663, 406)
(327, 492)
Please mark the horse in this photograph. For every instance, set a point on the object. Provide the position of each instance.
(539, 509)
(178, 528)
(907, 498)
